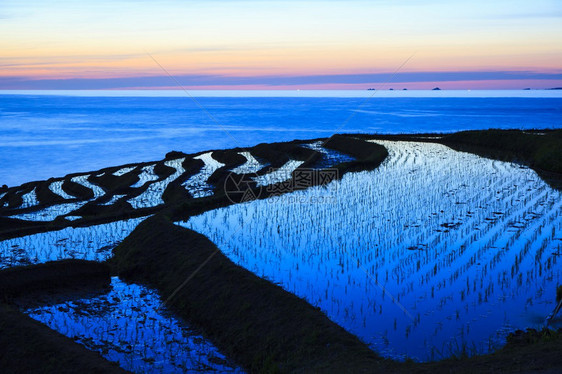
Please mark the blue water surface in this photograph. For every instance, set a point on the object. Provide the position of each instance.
(44, 136)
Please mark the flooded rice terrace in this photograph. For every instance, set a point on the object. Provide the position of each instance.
(93, 243)
(434, 253)
(127, 325)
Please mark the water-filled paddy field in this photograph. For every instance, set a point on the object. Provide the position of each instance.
(130, 325)
(87, 243)
(434, 252)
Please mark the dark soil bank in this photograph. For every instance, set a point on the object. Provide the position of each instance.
(367, 155)
(67, 274)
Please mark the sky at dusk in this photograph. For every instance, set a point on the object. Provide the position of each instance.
(310, 44)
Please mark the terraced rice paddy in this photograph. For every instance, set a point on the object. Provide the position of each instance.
(88, 243)
(435, 252)
(29, 199)
(113, 199)
(149, 187)
(152, 196)
(127, 325)
(147, 175)
(50, 213)
(83, 181)
(56, 188)
(279, 175)
(197, 184)
(251, 165)
(329, 156)
(124, 171)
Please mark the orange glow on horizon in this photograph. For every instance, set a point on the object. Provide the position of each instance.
(253, 39)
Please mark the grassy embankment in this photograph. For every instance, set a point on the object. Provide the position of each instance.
(28, 346)
(64, 274)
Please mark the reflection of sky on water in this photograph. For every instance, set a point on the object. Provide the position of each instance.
(467, 245)
(87, 243)
(126, 326)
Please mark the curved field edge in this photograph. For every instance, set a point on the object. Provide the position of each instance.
(256, 323)
(368, 156)
(541, 150)
(533, 352)
(28, 346)
(267, 329)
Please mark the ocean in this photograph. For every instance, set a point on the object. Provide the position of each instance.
(54, 133)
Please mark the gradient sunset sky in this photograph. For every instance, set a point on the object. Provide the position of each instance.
(310, 44)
